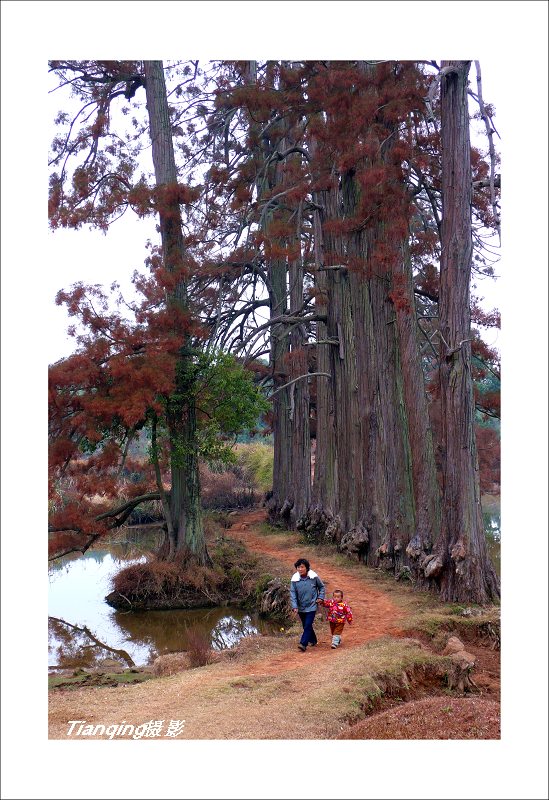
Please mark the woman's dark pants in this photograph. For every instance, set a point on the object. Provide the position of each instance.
(307, 619)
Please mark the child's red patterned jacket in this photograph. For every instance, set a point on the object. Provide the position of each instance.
(338, 612)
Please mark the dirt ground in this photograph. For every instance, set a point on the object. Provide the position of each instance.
(268, 689)
(432, 718)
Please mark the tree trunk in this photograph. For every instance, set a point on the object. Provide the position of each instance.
(325, 484)
(280, 505)
(185, 504)
(387, 501)
(300, 444)
(461, 565)
(424, 475)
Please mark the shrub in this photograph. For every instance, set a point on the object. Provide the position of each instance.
(256, 462)
(226, 489)
(199, 649)
(158, 580)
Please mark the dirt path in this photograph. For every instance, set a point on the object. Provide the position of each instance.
(264, 695)
(374, 613)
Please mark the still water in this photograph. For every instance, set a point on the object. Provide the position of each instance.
(84, 630)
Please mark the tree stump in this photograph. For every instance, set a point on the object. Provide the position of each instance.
(459, 674)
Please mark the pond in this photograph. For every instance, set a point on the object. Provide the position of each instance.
(83, 630)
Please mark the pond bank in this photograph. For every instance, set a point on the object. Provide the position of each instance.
(86, 633)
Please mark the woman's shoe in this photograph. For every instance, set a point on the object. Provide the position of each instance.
(301, 647)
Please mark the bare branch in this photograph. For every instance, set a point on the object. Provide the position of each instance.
(122, 653)
(489, 133)
(307, 375)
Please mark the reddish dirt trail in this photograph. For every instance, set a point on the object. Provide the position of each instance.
(374, 615)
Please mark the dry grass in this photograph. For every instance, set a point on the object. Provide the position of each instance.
(265, 692)
(433, 718)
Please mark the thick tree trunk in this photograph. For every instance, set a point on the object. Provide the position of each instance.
(325, 485)
(388, 513)
(300, 466)
(280, 504)
(461, 565)
(276, 267)
(185, 505)
(424, 476)
(337, 481)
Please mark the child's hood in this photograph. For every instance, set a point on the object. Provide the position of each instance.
(311, 574)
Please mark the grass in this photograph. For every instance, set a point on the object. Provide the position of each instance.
(97, 679)
(381, 669)
(257, 461)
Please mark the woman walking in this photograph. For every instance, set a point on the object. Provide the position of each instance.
(306, 594)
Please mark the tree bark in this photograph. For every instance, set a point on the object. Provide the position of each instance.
(185, 506)
(325, 484)
(387, 501)
(424, 475)
(299, 411)
(461, 565)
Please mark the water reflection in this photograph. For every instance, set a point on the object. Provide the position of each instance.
(84, 630)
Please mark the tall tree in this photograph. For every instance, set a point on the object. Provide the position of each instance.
(152, 373)
(461, 563)
(184, 515)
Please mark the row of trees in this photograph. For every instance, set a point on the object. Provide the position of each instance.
(327, 215)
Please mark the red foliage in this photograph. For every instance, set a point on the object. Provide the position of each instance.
(488, 448)
(399, 295)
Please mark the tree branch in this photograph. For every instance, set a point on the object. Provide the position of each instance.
(122, 653)
(307, 375)
(125, 510)
(491, 148)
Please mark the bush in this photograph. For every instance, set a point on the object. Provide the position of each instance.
(158, 581)
(256, 462)
(199, 649)
(225, 490)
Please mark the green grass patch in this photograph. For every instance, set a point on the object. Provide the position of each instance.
(97, 679)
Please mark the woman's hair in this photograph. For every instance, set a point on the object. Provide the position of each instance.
(302, 561)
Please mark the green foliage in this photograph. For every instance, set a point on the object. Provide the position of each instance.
(487, 388)
(228, 403)
(257, 461)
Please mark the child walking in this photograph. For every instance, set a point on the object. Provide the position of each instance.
(338, 612)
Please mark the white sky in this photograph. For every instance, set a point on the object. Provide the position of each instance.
(510, 40)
